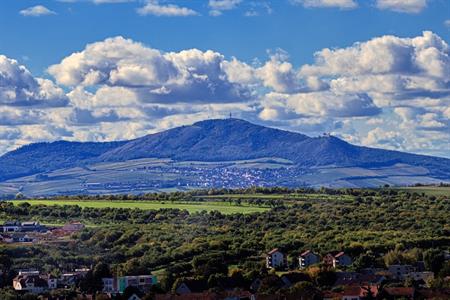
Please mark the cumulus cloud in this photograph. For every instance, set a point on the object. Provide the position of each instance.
(426, 55)
(342, 4)
(403, 6)
(36, 11)
(153, 7)
(185, 76)
(18, 87)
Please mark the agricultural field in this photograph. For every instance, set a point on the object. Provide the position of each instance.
(191, 207)
(429, 190)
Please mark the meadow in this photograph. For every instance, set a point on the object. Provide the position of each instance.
(191, 207)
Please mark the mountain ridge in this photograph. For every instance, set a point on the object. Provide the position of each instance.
(213, 141)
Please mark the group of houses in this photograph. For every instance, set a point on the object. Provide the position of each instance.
(32, 231)
(31, 281)
(36, 283)
(275, 259)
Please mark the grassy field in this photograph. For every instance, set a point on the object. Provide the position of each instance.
(223, 207)
(429, 190)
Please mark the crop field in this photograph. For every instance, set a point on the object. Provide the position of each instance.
(222, 207)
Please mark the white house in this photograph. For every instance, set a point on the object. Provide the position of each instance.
(275, 259)
(307, 259)
(11, 226)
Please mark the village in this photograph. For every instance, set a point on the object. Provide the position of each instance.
(396, 281)
(34, 232)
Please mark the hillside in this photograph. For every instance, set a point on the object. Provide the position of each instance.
(156, 161)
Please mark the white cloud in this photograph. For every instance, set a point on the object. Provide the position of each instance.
(185, 76)
(36, 11)
(153, 7)
(18, 87)
(342, 4)
(447, 23)
(279, 74)
(403, 6)
(218, 6)
(426, 55)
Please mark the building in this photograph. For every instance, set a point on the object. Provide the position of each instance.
(30, 282)
(400, 272)
(117, 285)
(32, 227)
(275, 259)
(11, 226)
(190, 286)
(307, 259)
(335, 260)
(21, 238)
(341, 260)
(420, 276)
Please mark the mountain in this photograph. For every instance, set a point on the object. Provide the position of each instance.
(43, 157)
(211, 153)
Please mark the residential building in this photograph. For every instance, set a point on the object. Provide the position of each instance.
(400, 271)
(339, 259)
(32, 227)
(117, 285)
(11, 226)
(275, 259)
(21, 238)
(32, 283)
(420, 276)
(190, 286)
(307, 259)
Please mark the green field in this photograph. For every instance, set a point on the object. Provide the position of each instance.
(223, 207)
(429, 190)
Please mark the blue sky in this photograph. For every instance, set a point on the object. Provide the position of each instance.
(292, 64)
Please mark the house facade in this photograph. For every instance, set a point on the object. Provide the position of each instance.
(341, 259)
(12, 226)
(307, 258)
(275, 259)
(117, 285)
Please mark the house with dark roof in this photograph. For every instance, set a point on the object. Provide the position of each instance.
(189, 286)
(275, 259)
(307, 258)
(32, 283)
(339, 259)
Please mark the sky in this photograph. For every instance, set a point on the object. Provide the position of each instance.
(372, 72)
